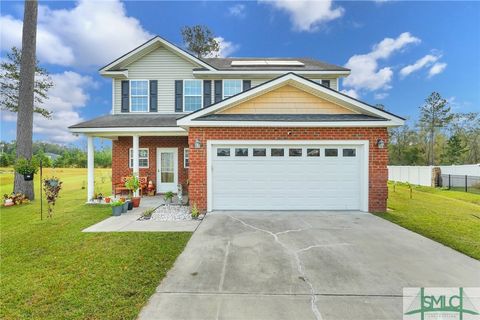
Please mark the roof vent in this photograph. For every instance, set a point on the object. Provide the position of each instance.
(249, 63)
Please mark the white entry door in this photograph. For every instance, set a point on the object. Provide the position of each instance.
(167, 169)
(329, 176)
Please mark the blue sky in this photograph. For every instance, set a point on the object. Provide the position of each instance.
(399, 52)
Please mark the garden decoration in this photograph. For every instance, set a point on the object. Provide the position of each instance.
(14, 199)
(180, 193)
(26, 167)
(133, 184)
(52, 189)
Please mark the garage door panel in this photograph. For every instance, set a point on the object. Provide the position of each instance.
(286, 183)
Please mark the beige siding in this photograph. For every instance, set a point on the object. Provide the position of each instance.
(164, 66)
(287, 100)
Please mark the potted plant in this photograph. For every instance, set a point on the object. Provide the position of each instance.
(99, 197)
(168, 196)
(133, 184)
(26, 167)
(130, 204)
(107, 199)
(117, 207)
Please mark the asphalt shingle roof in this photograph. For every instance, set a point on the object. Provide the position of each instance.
(309, 64)
(131, 120)
(289, 117)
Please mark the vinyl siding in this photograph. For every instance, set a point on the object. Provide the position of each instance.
(287, 100)
(164, 66)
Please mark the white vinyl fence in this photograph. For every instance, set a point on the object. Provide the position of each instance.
(422, 175)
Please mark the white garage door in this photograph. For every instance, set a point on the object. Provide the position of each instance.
(287, 177)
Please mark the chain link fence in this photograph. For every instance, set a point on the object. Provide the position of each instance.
(461, 183)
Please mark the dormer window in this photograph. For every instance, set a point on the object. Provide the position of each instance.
(231, 88)
(192, 95)
(139, 95)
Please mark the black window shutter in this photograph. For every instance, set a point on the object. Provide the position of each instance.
(326, 83)
(178, 95)
(153, 96)
(207, 93)
(218, 90)
(246, 84)
(125, 96)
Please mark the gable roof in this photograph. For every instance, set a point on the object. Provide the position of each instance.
(197, 118)
(145, 47)
(225, 64)
(221, 64)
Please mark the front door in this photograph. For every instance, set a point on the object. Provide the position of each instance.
(167, 169)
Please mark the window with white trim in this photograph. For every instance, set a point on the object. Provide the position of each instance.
(139, 96)
(142, 158)
(231, 88)
(186, 160)
(192, 95)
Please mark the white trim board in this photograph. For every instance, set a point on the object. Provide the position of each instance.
(156, 40)
(362, 143)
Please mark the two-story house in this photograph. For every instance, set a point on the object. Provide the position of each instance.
(243, 133)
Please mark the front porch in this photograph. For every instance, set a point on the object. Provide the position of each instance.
(129, 222)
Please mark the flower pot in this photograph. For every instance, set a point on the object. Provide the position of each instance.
(124, 207)
(9, 203)
(130, 204)
(28, 177)
(116, 211)
(107, 200)
(136, 202)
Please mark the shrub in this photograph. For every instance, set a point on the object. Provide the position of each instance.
(168, 195)
(195, 212)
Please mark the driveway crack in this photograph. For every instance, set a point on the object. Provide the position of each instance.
(300, 268)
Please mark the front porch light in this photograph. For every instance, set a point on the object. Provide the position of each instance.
(380, 143)
(197, 144)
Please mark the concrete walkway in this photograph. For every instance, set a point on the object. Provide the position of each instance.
(128, 222)
(305, 265)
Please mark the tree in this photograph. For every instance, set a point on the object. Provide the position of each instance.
(10, 82)
(434, 114)
(26, 93)
(454, 150)
(200, 41)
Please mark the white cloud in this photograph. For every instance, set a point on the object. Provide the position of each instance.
(50, 48)
(436, 69)
(350, 92)
(92, 33)
(237, 10)
(426, 61)
(380, 95)
(366, 74)
(65, 99)
(307, 15)
(226, 48)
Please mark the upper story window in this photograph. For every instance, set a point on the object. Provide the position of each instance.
(325, 83)
(231, 88)
(139, 95)
(192, 95)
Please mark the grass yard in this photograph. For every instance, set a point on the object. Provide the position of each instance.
(449, 217)
(51, 270)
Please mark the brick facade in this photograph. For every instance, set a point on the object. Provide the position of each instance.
(378, 158)
(120, 158)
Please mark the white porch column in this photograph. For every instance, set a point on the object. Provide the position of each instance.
(90, 166)
(136, 169)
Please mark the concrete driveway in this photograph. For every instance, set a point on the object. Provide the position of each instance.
(303, 265)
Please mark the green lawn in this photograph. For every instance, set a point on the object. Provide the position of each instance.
(51, 270)
(449, 217)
